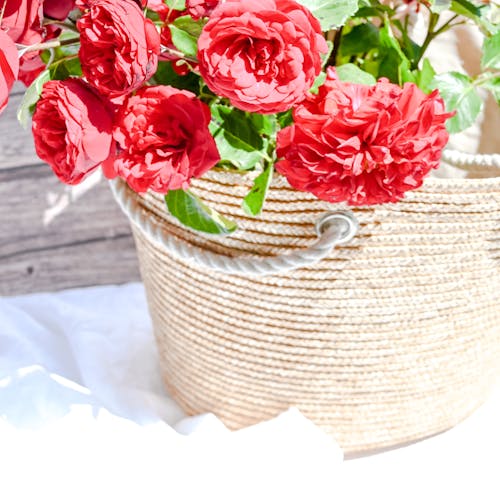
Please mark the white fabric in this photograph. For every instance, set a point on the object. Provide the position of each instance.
(83, 414)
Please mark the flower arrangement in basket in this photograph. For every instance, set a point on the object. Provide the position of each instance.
(263, 115)
(335, 96)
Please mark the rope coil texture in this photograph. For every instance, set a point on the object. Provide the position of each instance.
(333, 229)
(464, 160)
(389, 338)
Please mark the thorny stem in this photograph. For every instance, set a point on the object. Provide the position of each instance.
(179, 54)
(336, 46)
(53, 63)
(446, 25)
(486, 77)
(431, 33)
(207, 98)
(62, 24)
(52, 44)
(3, 10)
(52, 56)
(428, 39)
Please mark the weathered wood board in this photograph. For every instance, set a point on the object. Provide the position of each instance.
(44, 248)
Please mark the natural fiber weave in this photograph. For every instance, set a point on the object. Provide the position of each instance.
(394, 337)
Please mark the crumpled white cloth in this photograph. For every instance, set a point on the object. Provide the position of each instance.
(84, 415)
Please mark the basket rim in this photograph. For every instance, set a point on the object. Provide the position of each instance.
(447, 182)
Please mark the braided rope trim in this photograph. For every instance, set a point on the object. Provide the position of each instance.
(334, 228)
(465, 160)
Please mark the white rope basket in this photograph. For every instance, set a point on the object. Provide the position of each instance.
(381, 338)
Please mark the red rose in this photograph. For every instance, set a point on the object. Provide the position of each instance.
(363, 144)
(164, 139)
(72, 129)
(9, 67)
(119, 46)
(22, 20)
(58, 9)
(262, 54)
(200, 8)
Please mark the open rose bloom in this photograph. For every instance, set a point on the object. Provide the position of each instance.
(343, 102)
(363, 144)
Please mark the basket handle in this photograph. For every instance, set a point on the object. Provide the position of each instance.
(334, 228)
(461, 159)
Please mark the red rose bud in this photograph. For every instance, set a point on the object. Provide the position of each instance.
(363, 144)
(72, 129)
(22, 20)
(119, 46)
(200, 8)
(31, 65)
(164, 141)
(178, 63)
(262, 54)
(9, 67)
(58, 9)
(166, 34)
(160, 7)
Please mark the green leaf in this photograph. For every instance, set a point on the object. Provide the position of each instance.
(493, 16)
(394, 64)
(165, 75)
(351, 73)
(478, 14)
(359, 40)
(189, 25)
(184, 41)
(318, 81)
(64, 68)
(238, 136)
(325, 57)
(492, 85)
(232, 154)
(458, 93)
(67, 50)
(331, 14)
(240, 124)
(176, 4)
(491, 52)
(263, 124)
(285, 118)
(31, 97)
(439, 6)
(189, 210)
(366, 11)
(254, 200)
(465, 8)
(425, 76)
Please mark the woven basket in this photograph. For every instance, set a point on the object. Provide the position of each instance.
(391, 338)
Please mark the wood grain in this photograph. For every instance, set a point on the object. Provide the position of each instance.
(88, 243)
(16, 143)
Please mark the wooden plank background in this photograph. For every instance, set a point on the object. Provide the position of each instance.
(88, 243)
